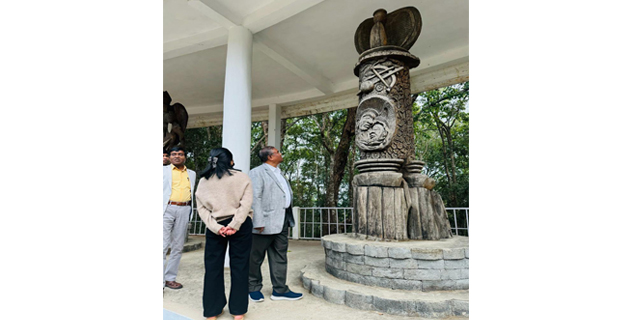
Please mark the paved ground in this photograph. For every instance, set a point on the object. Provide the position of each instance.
(187, 301)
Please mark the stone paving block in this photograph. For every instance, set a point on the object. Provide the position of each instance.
(436, 285)
(355, 249)
(422, 274)
(430, 309)
(335, 255)
(326, 244)
(401, 284)
(338, 246)
(430, 264)
(316, 288)
(334, 295)
(339, 264)
(427, 254)
(387, 273)
(331, 270)
(352, 277)
(451, 274)
(456, 264)
(463, 284)
(374, 281)
(400, 253)
(359, 269)
(398, 307)
(466, 250)
(377, 262)
(368, 280)
(453, 254)
(460, 307)
(358, 301)
(465, 273)
(376, 251)
(335, 272)
(353, 258)
(306, 282)
(377, 281)
(403, 264)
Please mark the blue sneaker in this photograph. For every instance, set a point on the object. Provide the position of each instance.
(292, 296)
(256, 296)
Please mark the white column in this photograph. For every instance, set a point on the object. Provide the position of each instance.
(275, 125)
(237, 97)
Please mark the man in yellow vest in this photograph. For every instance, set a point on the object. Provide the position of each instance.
(178, 186)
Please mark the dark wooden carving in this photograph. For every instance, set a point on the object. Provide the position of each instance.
(401, 27)
(175, 119)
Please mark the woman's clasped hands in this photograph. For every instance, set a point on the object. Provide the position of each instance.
(227, 231)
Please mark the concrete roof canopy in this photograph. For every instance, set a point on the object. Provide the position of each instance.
(303, 52)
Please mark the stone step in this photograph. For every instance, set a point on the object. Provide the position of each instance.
(194, 243)
(432, 304)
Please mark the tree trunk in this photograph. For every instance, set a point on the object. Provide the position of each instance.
(338, 164)
(265, 130)
(340, 158)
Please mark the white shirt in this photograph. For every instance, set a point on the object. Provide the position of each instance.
(280, 178)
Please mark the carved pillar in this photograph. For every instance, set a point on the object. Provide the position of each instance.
(393, 200)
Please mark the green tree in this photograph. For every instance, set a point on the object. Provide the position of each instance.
(199, 142)
(441, 129)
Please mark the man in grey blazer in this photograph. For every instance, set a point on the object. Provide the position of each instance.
(272, 206)
(178, 186)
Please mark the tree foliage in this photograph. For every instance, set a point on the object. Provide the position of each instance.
(199, 142)
(309, 149)
(441, 140)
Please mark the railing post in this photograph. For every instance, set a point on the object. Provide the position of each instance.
(295, 231)
(467, 224)
(455, 217)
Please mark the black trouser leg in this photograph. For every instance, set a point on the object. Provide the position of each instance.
(240, 248)
(214, 289)
(278, 260)
(256, 258)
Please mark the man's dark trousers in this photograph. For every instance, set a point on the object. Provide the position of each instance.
(276, 247)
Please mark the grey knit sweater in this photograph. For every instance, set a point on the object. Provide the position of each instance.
(220, 199)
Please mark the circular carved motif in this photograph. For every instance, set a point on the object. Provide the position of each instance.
(375, 123)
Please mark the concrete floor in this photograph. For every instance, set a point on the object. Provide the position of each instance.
(187, 301)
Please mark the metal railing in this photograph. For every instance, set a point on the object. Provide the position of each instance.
(461, 223)
(196, 226)
(314, 222)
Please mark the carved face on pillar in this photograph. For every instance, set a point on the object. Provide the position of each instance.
(375, 123)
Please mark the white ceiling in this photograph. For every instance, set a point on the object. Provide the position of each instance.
(303, 50)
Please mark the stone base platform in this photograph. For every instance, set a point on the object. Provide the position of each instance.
(415, 265)
(434, 304)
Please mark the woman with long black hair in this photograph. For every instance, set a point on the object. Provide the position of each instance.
(224, 197)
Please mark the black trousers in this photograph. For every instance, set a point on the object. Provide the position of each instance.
(214, 257)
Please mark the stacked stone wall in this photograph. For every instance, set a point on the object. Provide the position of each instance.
(404, 266)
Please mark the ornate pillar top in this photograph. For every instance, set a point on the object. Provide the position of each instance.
(388, 35)
(399, 28)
